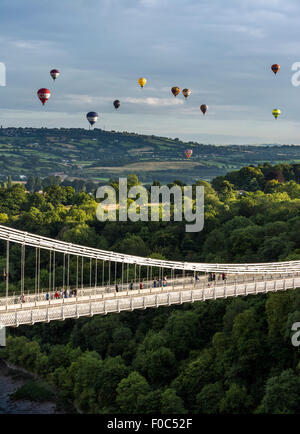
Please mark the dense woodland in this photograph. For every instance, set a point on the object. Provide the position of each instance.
(220, 357)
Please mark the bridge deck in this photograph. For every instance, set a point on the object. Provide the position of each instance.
(103, 303)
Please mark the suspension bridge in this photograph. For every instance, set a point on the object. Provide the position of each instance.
(83, 281)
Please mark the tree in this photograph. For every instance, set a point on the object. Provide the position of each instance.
(129, 391)
(9, 182)
(171, 403)
(194, 377)
(208, 400)
(112, 372)
(236, 401)
(181, 329)
(282, 394)
(30, 184)
(38, 184)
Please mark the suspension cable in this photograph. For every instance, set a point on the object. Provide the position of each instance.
(22, 267)
(103, 269)
(90, 272)
(81, 272)
(64, 270)
(77, 267)
(50, 260)
(68, 273)
(7, 270)
(35, 276)
(53, 270)
(109, 274)
(39, 271)
(96, 273)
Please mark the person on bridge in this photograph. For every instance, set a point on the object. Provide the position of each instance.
(117, 287)
(56, 295)
(131, 286)
(23, 298)
(196, 277)
(165, 282)
(141, 284)
(47, 296)
(154, 283)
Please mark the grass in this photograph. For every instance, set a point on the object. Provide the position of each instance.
(151, 166)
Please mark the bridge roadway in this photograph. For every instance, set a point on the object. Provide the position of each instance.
(90, 302)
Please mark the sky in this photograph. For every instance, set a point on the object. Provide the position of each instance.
(222, 51)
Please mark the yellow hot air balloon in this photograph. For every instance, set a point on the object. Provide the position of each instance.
(276, 113)
(142, 81)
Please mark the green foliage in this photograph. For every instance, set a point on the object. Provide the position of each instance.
(130, 393)
(213, 357)
(282, 394)
(236, 401)
(34, 391)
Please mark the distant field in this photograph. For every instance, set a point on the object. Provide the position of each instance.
(149, 166)
(99, 155)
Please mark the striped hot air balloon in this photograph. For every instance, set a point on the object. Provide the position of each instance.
(43, 94)
(276, 113)
(54, 73)
(188, 153)
(92, 117)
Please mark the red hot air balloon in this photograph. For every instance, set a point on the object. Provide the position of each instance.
(275, 68)
(188, 153)
(44, 95)
(54, 73)
(203, 108)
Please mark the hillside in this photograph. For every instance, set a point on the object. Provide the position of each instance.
(101, 155)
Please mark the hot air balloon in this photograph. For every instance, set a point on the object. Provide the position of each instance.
(92, 117)
(203, 108)
(142, 81)
(276, 113)
(116, 104)
(43, 94)
(175, 91)
(186, 92)
(275, 68)
(54, 73)
(188, 153)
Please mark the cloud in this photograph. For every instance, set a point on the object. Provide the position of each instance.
(156, 102)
